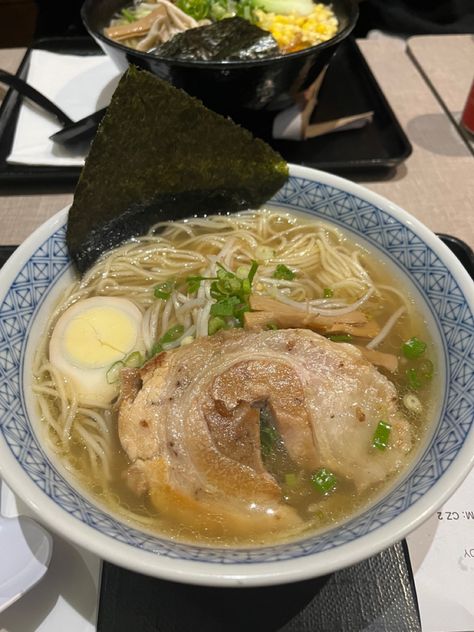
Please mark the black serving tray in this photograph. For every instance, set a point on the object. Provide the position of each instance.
(376, 594)
(349, 88)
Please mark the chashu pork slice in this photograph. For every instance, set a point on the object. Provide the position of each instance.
(189, 422)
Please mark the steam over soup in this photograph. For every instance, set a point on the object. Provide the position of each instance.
(236, 379)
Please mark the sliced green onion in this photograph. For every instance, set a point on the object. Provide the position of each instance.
(242, 271)
(226, 284)
(215, 324)
(231, 294)
(283, 272)
(323, 480)
(157, 348)
(291, 479)
(246, 286)
(413, 379)
(133, 360)
(328, 293)
(197, 9)
(164, 290)
(413, 348)
(113, 373)
(128, 15)
(225, 307)
(340, 337)
(381, 435)
(240, 310)
(193, 283)
(252, 271)
(172, 334)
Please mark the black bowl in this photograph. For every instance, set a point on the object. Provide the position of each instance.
(228, 87)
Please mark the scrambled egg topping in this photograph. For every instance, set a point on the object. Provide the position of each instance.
(296, 32)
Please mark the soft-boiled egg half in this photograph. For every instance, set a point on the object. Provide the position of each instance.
(89, 339)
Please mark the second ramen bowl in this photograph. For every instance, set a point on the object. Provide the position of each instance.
(235, 88)
(30, 283)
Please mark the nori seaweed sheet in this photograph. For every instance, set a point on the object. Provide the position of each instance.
(231, 39)
(159, 154)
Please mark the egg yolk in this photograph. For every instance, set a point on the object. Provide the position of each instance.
(99, 337)
(89, 338)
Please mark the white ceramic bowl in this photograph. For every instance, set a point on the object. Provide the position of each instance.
(30, 282)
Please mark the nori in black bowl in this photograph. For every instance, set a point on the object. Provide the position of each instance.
(232, 39)
(233, 88)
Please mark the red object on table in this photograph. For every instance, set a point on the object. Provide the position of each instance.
(467, 118)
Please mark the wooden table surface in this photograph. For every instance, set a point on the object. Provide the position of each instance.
(435, 183)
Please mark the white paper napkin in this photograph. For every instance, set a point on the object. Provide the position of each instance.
(442, 558)
(79, 85)
(67, 597)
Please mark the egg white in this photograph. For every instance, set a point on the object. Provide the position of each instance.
(90, 337)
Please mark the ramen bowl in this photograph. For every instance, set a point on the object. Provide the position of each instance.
(30, 285)
(228, 87)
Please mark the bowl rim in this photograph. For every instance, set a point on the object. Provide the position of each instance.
(259, 573)
(352, 18)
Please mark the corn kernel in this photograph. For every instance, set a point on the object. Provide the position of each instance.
(296, 32)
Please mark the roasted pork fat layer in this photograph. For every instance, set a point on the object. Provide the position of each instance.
(189, 421)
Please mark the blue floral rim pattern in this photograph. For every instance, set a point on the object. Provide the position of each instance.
(354, 214)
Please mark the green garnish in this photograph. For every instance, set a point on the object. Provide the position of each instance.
(133, 360)
(197, 9)
(221, 9)
(328, 293)
(245, 9)
(230, 292)
(164, 290)
(128, 15)
(157, 348)
(323, 480)
(340, 337)
(193, 283)
(291, 479)
(282, 272)
(381, 435)
(113, 373)
(413, 379)
(413, 348)
(271, 326)
(215, 324)
(171, 335)
(252, 271)
(225, 307)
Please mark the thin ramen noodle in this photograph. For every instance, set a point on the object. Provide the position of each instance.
(173, 275)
